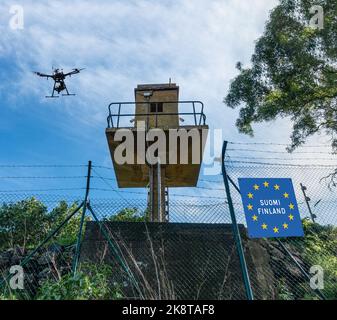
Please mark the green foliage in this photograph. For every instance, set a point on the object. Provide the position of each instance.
(320, 248)
(129, 215)
(293, 73)
(92, 282)
(69, 232)
(7, 297)
(284, 293)
(317, 248)
(27, 223)
(23, 223)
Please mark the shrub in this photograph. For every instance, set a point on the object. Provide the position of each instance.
(129, 215)
(92, 282)
(24, 223)
(69, 232)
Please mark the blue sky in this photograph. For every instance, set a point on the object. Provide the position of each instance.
(121, 44)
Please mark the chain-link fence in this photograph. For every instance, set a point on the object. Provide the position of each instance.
(292, 262)
(123, 256)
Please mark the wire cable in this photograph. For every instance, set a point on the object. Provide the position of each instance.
(43, 177)
(42, 190)
(285, 164)
(112, 188)
(285, 159)
(281, 152)
(41, 166)
(278, 144)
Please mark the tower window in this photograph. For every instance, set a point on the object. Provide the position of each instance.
(156, 107)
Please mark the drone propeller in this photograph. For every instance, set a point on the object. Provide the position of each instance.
(74, 71)
(78, 70)
(42, 74)
(59, 81)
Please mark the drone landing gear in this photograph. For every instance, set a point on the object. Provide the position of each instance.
(66, 89)
(52, 97)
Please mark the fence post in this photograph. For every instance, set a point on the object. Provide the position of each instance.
(79, 237)
(118, 255)
(304, 273)
(236, 232)
(307, 199)
(50, 236)
(285, 250)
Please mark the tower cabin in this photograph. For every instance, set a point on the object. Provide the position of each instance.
(157, 110)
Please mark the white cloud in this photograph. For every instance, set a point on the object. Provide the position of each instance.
(123, 43)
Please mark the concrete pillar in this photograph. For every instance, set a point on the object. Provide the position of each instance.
(157, 194)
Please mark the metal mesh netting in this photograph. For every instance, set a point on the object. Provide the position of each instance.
(193, 257)
(317, 248)
(122, 256)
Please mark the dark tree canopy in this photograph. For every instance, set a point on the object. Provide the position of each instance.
(293, 73)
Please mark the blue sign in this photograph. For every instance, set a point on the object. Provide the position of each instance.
(270, 208)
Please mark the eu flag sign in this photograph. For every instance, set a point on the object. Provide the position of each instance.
(270, 208)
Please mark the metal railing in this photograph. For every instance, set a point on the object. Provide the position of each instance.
(116, 112)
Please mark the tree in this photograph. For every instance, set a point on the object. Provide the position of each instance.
(24, 223)
(27, 223)
(293, 73)
(129, 215)
(69, 233)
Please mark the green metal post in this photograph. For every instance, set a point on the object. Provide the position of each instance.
(50, 236)
(307, 199)
(237, 236)
(114, 250)
(286, 251)
(79, 237)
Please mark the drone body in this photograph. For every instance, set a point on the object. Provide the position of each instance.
(59, 81)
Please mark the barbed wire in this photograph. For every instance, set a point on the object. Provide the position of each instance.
(212, 189)
(280, 152)
(43, 177)
(286, 164)
(103, 167)
(112, 188)
(173, 194)
(278, 158)
(278, 144)
(42, 166)
(42, 190)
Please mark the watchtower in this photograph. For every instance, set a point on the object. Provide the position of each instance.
(158, 112)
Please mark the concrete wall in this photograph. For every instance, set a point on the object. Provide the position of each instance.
(189, 261)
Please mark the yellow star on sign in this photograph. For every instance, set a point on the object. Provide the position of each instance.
(266, 184)
(286, 195)
(291, 217)
(277, 187)
(291, 206)
(250, 207)
(255, 218)
(275, 230)
(285, 226)
(256, 187)
(264, 227)
(250, 195)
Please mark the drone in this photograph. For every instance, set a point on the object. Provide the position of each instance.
(59, 85)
